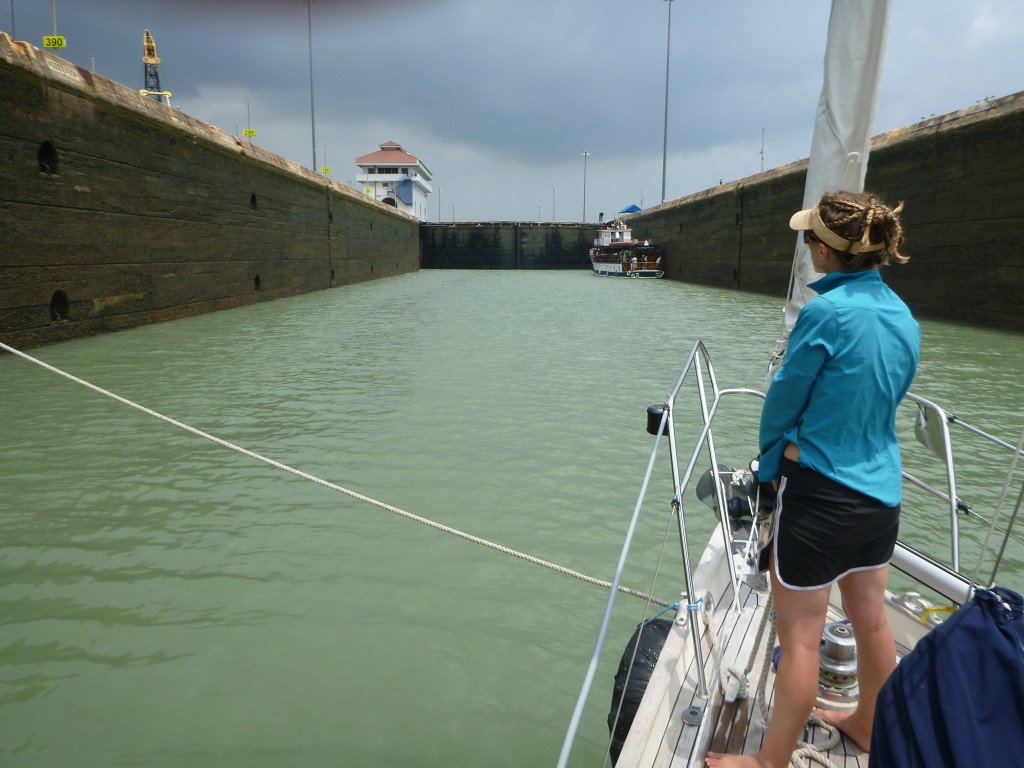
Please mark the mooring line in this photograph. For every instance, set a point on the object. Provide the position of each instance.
(332, 486)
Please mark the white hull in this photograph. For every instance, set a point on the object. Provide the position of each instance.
(616, 270)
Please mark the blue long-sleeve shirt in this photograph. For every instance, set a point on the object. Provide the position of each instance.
(851, 357)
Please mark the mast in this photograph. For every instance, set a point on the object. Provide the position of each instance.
(841, 143)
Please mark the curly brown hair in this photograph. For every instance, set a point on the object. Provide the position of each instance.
(862, 218)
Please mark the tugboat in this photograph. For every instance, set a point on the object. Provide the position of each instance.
(617, 254)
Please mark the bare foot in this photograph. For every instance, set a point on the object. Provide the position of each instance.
(718, 760)
(849, 726)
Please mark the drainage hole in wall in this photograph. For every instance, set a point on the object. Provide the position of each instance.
(48, 160)
(59, 307)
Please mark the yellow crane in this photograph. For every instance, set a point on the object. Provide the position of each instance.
(152, 74)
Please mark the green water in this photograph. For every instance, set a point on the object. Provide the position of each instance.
(168, 602)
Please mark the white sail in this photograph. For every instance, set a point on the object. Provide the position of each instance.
(857, 32)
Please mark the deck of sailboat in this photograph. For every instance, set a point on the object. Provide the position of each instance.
(661, 734)
(721, 640)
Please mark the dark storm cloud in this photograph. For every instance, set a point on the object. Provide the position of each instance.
(264, 8)
(502, 97)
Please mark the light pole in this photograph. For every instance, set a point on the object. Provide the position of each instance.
(453, 213)
(312, 113)
(664, 145)
(585, 155)
(538, 214)
(439, 191)
(14, 29)
(553, 190)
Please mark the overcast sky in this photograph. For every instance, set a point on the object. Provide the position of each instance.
(499, 99)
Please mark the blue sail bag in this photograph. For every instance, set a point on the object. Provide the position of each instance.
(957, 699)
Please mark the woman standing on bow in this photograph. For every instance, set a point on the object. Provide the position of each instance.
(828, 440)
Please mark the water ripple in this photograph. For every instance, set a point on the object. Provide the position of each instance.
(148, 577)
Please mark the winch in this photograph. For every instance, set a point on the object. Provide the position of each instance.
(838, 659)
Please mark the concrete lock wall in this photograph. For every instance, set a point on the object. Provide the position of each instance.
(117, 210)
(961, 177)
(506, 245)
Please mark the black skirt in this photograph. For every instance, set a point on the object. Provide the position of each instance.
(824, 530)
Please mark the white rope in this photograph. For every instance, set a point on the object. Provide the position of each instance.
(330, 485)
(816, 752)
(766, 663)
(724, 673)
(812, 753)
(804, 750)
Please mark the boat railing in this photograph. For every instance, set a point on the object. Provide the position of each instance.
(932, 430)
(660, 423)
(710, 396)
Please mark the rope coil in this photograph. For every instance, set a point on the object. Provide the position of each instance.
(804, 750)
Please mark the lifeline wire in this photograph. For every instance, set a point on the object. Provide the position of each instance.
(995, 517)
(332, 486)
(588, 679)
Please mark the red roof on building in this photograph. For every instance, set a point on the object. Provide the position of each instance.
(390, 153)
